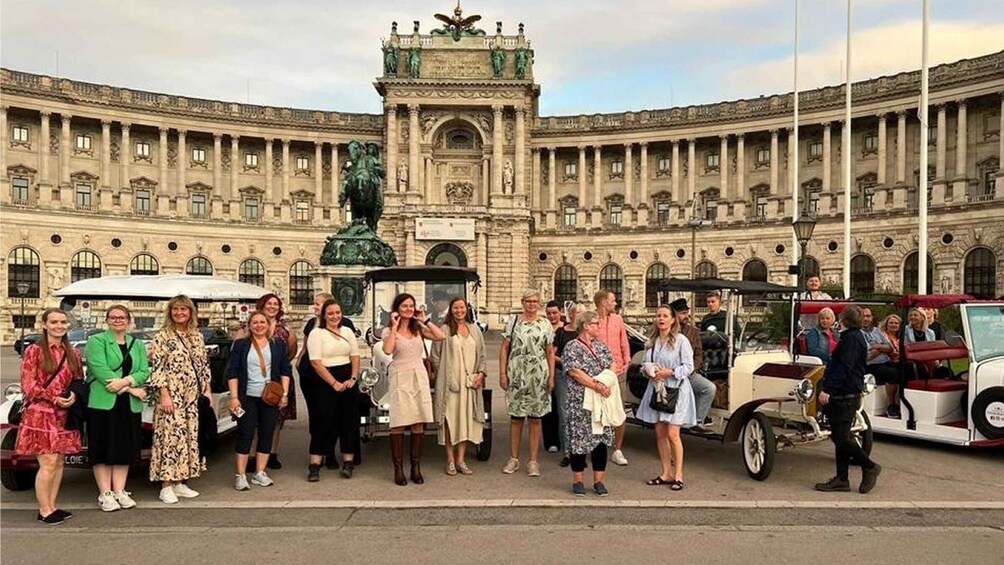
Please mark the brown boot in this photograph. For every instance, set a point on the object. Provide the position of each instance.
(397, 456)
(416, 457)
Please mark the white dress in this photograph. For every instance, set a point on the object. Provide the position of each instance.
(680, 358)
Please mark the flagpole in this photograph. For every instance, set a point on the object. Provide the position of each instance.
(795, 188)
(922, 189)
(845, 138)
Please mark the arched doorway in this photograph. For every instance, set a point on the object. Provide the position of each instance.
(457, 175)
(446, 254)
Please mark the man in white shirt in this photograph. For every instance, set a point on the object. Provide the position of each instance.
(811, 292)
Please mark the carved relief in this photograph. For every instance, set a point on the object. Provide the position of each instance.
(225, 161)
(172, 155)
(459, 192)
(114, 151)
(53, 144)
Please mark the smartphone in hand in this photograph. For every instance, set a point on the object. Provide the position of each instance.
(237, 414)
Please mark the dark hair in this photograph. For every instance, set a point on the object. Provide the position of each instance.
(451, 321)
(323, 318)
(260, 305)
(851, 317)
(413, 324)
(552, 304)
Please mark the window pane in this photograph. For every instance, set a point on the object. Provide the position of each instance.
(566, 282)
(23, 267)
(862, 276)
(656, 275)
(85, 265)
(252, 272)
(980, 274)
(301, 284)
(19, 189)
(705, 270)
(612, 279)
(144, 264)
(199, 266)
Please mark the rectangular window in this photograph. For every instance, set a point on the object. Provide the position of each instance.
(617, 167)
(615, 214)
(815, 150)
(83, 196)
(144, 322)
(251, 160)
(870, 143)
(251, 208)
(711, 209)
(763, 156)
(19, 190)
(663, 164)
(83, 142)
(662, 213)
(198, 155)
(713, 161)
(142, 201)
(302, 163)
(302, 211)
(19, 134)
(570, 216)
(571, 170)
(25, 322)
(813, 203)
(143, 149)
(199, 205)
(932, 135)
(761, 207)
(992, 123)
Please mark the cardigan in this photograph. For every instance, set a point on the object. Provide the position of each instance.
(238, 369)
(104, 361)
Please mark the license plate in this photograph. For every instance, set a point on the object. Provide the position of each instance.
(77, 459)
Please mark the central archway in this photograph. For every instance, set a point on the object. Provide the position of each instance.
(446, 254)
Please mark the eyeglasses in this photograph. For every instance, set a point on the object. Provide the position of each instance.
(118, 319)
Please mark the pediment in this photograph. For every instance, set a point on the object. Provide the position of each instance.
(198, 187)
(83, 176)
(20, 169)
(143, 182)
(252, 190)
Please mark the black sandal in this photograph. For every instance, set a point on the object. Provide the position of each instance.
(658, 481)
(675, 485)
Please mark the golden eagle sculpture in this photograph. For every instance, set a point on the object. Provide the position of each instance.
(458, 25)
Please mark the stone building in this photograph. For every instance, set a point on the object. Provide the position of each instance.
(101, 180)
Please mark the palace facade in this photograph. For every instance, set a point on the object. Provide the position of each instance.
(103, 180)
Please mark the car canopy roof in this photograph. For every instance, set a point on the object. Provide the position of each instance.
(425, 273)
(932, 300)
(712, 285)
(161, 287)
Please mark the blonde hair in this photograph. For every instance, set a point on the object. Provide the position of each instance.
(826, 310)
(530, 293)
(601, 295)
(193, 320)
(674, 329)
(923, 316)
(583, 319)
(885, 323)
(268, 324)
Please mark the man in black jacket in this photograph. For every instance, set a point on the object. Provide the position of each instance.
(840, 396)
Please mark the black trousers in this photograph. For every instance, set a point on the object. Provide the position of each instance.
(550, 426)
(260, 416)
(598, 456)
(886, 373)
(840, 413)
(333, 416)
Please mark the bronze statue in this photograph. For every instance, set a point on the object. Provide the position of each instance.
(414, 63)
(361, 187)
(457, 25)
(522, 62)
(498, 61)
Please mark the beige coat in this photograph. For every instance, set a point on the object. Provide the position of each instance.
(442, 356)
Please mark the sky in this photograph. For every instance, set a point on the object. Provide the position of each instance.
(590, 55)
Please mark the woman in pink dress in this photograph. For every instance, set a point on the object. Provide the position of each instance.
(46, 372)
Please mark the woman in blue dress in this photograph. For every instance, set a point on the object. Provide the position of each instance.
(669, 360)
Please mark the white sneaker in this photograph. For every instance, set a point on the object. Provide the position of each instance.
(182, 490)
(124, 499)
(511, 466)
(167, 496)
(618, 458)
(108, 503)
(261, 479)
(241, 483)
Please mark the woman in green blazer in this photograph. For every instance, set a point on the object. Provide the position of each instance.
(116, 370)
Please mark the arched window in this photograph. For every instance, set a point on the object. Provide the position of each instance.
(199, 266)
(654, 277)
(301, 284)
(446, 254)
(566, 283)
(144, 264)
(612, 279)
(23, 267)
(705, 270)
(862, 276)
(811, 266)
(979, 276)
(85, 265)
(251, 271)
(911, 273)
(755, 270)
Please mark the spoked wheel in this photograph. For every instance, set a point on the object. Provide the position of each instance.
(866, 437)
(758, 446)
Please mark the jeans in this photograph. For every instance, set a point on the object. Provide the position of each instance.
(704, 395)
(258, 415)
(841, 413)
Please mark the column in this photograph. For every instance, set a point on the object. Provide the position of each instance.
(106, 152)
(881, 149)
(520, 163)
(643, 186)
(961, 169)
(218, 163)
(163, 186)
(336, 173)
(789, 162)
(774, 188)
(691, 169)
(43, 156)
(723, 167)
(391, 148)
(597, 185)
(827, 156)
(999, 185)
(125, 156)
(628, 182)
(552, 197)
(497, 141)
(582, 170)
(676, 172)
(3, 145)
(236, 164)
(413, 139)
(901, 147)
(268, 174)
(486, 178)
(318, 171)
(430, 172)
(285, 171)
(66, 150)
(741, 167)
(535, 199)
(181, 192)
(940, 160)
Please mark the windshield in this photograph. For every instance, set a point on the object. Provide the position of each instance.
(986, 328)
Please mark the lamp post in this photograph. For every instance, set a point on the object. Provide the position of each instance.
(22, 291)
(803, 227)
(695, 224)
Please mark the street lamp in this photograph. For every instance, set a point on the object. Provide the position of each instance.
(695, 223)
(22, 291)
(803, 227)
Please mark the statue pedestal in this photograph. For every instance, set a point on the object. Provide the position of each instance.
(357, 244)
(345, 283)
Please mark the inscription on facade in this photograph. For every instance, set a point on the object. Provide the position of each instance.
(455, 64)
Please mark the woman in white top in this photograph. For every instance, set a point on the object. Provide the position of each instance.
(669, 360)
(331, 393)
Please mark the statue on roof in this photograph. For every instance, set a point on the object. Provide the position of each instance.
(458, 25)
(498, 61)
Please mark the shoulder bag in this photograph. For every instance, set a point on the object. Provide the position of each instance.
(272, 394)
(663, 397)
(430, 367)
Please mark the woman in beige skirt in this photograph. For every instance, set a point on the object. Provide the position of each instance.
(410, 395)
(460, 376)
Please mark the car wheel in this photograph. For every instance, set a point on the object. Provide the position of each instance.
(15, 480)
(988, 412)
(759, 446)
(865, 438)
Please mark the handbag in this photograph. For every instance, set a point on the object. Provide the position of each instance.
(18, 407)
(273, 392)
(430, 367)
(663, 397)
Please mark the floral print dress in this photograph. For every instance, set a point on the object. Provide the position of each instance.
(43, 424)
(581, 439)
(287, 412)
(528, 395)
(179, 364)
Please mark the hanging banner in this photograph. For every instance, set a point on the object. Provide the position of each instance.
(444, 229)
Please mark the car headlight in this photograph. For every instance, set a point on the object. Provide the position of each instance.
(869, 383)
(12, 392)
(803, 390)
(368, 378)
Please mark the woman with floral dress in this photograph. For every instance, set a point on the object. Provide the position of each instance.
(180, 373)
(46, 372)
(526, 373)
